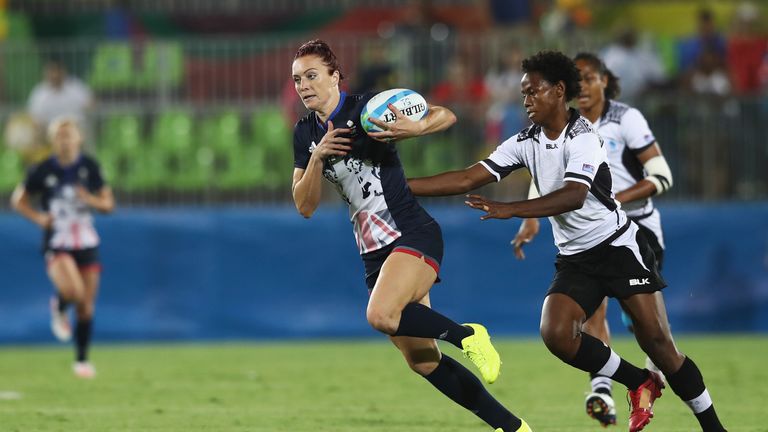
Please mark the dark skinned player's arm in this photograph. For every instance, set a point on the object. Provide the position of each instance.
(568, 198)
(451, 182)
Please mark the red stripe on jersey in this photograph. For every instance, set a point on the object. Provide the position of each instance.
(367, 241)
(75, 228)
(384, 226)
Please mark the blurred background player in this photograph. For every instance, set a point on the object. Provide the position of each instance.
(638, 172)
(399, 242)
(598, 245)
(69, 185)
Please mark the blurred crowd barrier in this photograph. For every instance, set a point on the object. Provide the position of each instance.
(205, 121)
(265, 273)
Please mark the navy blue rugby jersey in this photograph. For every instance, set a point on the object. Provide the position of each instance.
(72, 227)
(370, 179)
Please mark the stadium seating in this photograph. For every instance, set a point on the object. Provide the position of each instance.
(174, 151)
(112, 67)
(11, 172)
(120, 151)
(239, 165)
(163, 65)
(272, 134)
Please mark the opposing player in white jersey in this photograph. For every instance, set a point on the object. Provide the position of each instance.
(638, 170)
(601, 253)
(69, 185)
(400, 244)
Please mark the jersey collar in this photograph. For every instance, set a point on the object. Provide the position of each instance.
(342, 98)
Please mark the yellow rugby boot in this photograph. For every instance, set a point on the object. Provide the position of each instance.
(523, 428)
(479, 350)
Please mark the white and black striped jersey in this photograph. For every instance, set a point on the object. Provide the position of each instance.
(626, 134)
(576, 155)
(370, 179)
(72, 221)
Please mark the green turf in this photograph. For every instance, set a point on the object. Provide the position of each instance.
(339, 387)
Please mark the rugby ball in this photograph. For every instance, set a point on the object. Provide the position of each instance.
(410, 103)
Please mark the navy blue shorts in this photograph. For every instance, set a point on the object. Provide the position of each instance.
(86, 259)
(425, 241)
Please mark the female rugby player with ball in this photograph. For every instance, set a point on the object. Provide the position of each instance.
(400, 243)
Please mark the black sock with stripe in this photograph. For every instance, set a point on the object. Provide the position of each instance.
(688, 385)
(596, 357)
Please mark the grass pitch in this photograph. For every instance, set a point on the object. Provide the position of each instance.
(340, 387)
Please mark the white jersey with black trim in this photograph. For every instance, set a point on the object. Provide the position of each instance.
(626, 134)
(576, 155)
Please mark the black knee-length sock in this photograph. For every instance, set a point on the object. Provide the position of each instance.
(418, 320)
(596, 357)
(688, 385)
(63, 303)
(463, 387)
(83, 338)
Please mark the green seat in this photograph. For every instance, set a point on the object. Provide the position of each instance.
(273, 136)
(112, 67)
(163, 65)
(11, 172)
(188, 165)
(121, 151)
(235, 165)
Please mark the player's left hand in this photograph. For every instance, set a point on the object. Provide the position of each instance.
(492, 209)
(84, 196)
(401, 128)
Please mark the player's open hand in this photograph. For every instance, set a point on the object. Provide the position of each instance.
(492, 209)
(333, 143)
(401, 128)
(528, 230)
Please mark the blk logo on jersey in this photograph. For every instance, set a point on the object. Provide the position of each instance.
(552, 146)
(636, 282)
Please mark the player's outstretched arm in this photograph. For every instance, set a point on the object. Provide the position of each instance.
(569, 197)
(451, 182)
(437, 119)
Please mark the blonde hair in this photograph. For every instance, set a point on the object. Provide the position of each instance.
(60, 121)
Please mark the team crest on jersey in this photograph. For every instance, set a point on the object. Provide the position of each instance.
(82, 173)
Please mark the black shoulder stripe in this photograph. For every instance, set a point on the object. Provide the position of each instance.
(643, 148)
(502, 171)
(578, 176)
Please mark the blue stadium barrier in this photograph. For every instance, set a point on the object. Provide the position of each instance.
(267, 273)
